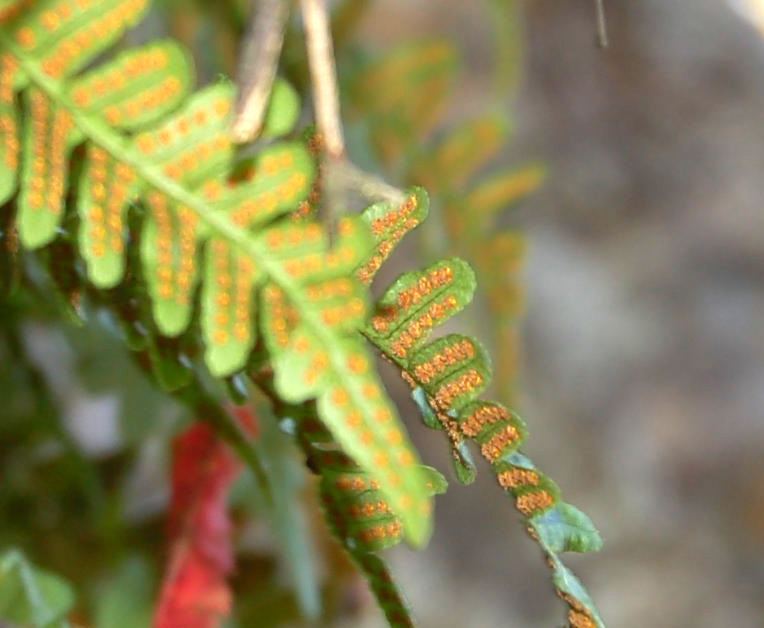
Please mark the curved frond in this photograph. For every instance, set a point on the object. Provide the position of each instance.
(202, 220)
(447, 376)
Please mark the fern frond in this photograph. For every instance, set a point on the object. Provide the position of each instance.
(180, 171)
(447, 166)
(447, 376)
(364, 524)
(357, 512)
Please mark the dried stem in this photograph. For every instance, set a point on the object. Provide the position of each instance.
(323, 75)
(602, 38)
(258, 65)
(350, 177)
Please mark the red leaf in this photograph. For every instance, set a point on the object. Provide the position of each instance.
(195, 591)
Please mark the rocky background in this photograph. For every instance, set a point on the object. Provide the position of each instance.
(644, 337)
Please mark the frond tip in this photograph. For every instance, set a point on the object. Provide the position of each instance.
(447, 376)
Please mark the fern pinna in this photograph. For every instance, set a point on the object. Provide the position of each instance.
(447, 375)
(126, 142)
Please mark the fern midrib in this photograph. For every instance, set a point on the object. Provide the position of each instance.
(405, 369)
(114, 144)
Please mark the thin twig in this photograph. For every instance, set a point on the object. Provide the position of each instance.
(602, 38)
(257, 66)
(323, 75)
(370, 187)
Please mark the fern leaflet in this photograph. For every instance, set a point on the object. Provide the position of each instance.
(447, 376)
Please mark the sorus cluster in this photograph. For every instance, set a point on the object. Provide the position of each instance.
(535, 502)
(50, 139)
(417, 329)
(423, 287)
(9, 141)
(486, 415)
(280, 238)
(259, 208)
(516, 477)
(355, 483)
(234, 275)
(282, 316)
(503, 439)
(394, 530)
(448, 357)
(120, 91)
(391, 227)
(369, 509)
(176, 249)
(62, 54)
(462, 386)
(578, 616)
(110, 189)
(207, 120)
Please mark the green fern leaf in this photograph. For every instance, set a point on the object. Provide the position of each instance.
(446, 376)
(59, 37)
(417, 302)
(181, 171)
(308, 366)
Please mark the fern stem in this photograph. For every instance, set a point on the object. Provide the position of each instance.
(369, 186)
(602, 38)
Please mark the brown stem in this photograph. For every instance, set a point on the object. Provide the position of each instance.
(258, 65)
(323, 75)
(602, 38)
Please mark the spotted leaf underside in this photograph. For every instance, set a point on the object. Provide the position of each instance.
(211, 234)
(447, 376)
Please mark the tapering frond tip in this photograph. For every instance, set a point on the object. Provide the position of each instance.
(565, 528)
(582, 611)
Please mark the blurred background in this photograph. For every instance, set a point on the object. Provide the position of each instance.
(643, 342)
(634, 300)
